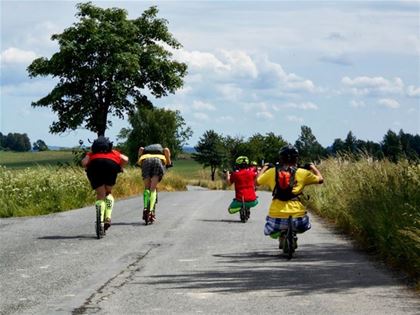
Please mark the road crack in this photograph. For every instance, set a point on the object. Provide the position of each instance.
(110, 287)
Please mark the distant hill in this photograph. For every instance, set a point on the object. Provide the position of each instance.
(55, 148)
(188, 150)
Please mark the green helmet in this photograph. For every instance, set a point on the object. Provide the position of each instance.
(242, 160)
(254, 163)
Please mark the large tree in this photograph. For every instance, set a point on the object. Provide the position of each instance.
(210, 151)
(106, 64)
(155, 125)
(40, 145)
(391, 146)
(309, 148)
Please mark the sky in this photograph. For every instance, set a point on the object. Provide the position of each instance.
(253, 67)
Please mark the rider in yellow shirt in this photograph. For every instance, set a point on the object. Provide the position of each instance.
(153, 159)
(286, 201)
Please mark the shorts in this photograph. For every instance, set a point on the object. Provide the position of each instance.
(102, 172)
(152, 167)
(236, 205)
(273, 225)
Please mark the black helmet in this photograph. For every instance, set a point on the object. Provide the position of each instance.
(101, 145)
(288, 154)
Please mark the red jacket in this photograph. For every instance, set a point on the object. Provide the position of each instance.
(113, 155)
(244, 180)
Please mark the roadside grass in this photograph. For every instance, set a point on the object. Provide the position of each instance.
(17, 160)
(46, 189)
(378, 204)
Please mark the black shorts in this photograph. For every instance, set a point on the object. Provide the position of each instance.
(152, 167)
(102, 172)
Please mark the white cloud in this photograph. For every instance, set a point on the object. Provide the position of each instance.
(412, 91)
(14, 55)
(230, 92)
(184, 90)
(36, 88)
(241, 63)
(301, 106)
(373, 85)
(265, 115)
(199, 105)
(225, 118)
(201, 116)
(389, 103)
(250, 71)
(274, 76)
(294, 118)
(357, 103)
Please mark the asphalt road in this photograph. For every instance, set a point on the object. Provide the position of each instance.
(196, 259)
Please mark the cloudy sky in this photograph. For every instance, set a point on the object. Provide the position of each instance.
(253, 66)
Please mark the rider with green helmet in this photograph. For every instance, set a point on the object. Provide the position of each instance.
(244, 177)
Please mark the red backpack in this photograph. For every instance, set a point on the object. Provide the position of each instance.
(285, 181)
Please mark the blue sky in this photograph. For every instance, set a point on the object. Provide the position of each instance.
(253, 66)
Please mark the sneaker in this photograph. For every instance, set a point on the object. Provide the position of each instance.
(282, 238)
(281, 242)
(145, 214)
(107, 223)
(152, 217)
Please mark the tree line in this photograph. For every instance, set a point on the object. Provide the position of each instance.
(20, 142)
(217, 151)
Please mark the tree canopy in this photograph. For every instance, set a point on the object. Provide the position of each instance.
(40, 145)
(210, 151)
(155, 125)
(105, 65)
(18, 142)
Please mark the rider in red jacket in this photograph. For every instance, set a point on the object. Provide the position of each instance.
(244, 178)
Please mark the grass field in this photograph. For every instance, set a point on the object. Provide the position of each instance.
(16, 160)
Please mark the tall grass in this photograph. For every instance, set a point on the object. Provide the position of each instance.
(378, 203)
(43, 190)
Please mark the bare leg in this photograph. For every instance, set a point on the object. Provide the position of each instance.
(167, 154)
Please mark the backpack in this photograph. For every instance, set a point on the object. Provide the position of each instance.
(101, 145)
(285, 181)
(153, 149)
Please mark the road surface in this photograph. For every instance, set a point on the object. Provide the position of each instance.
(197, 259)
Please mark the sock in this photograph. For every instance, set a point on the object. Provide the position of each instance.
(146, 197)
(233, 210)
(275, 235)
(109, 201)
(153, 195)
(100, 204)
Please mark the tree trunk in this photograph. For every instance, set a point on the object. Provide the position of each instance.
(213, 171)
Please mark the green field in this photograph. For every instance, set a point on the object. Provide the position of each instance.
(187, 168)
(29, 159)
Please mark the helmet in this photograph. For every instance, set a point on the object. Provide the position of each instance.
(254, 163)
(288, 153)
(101, 144)
(242, 160)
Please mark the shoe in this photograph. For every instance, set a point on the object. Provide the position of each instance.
(281, 242)
(282, 239)
(107, 224)
(248, 213)
(145, 214)
(152, 217)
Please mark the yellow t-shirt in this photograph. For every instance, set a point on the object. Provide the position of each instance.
(148, 156)
(294, 208)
